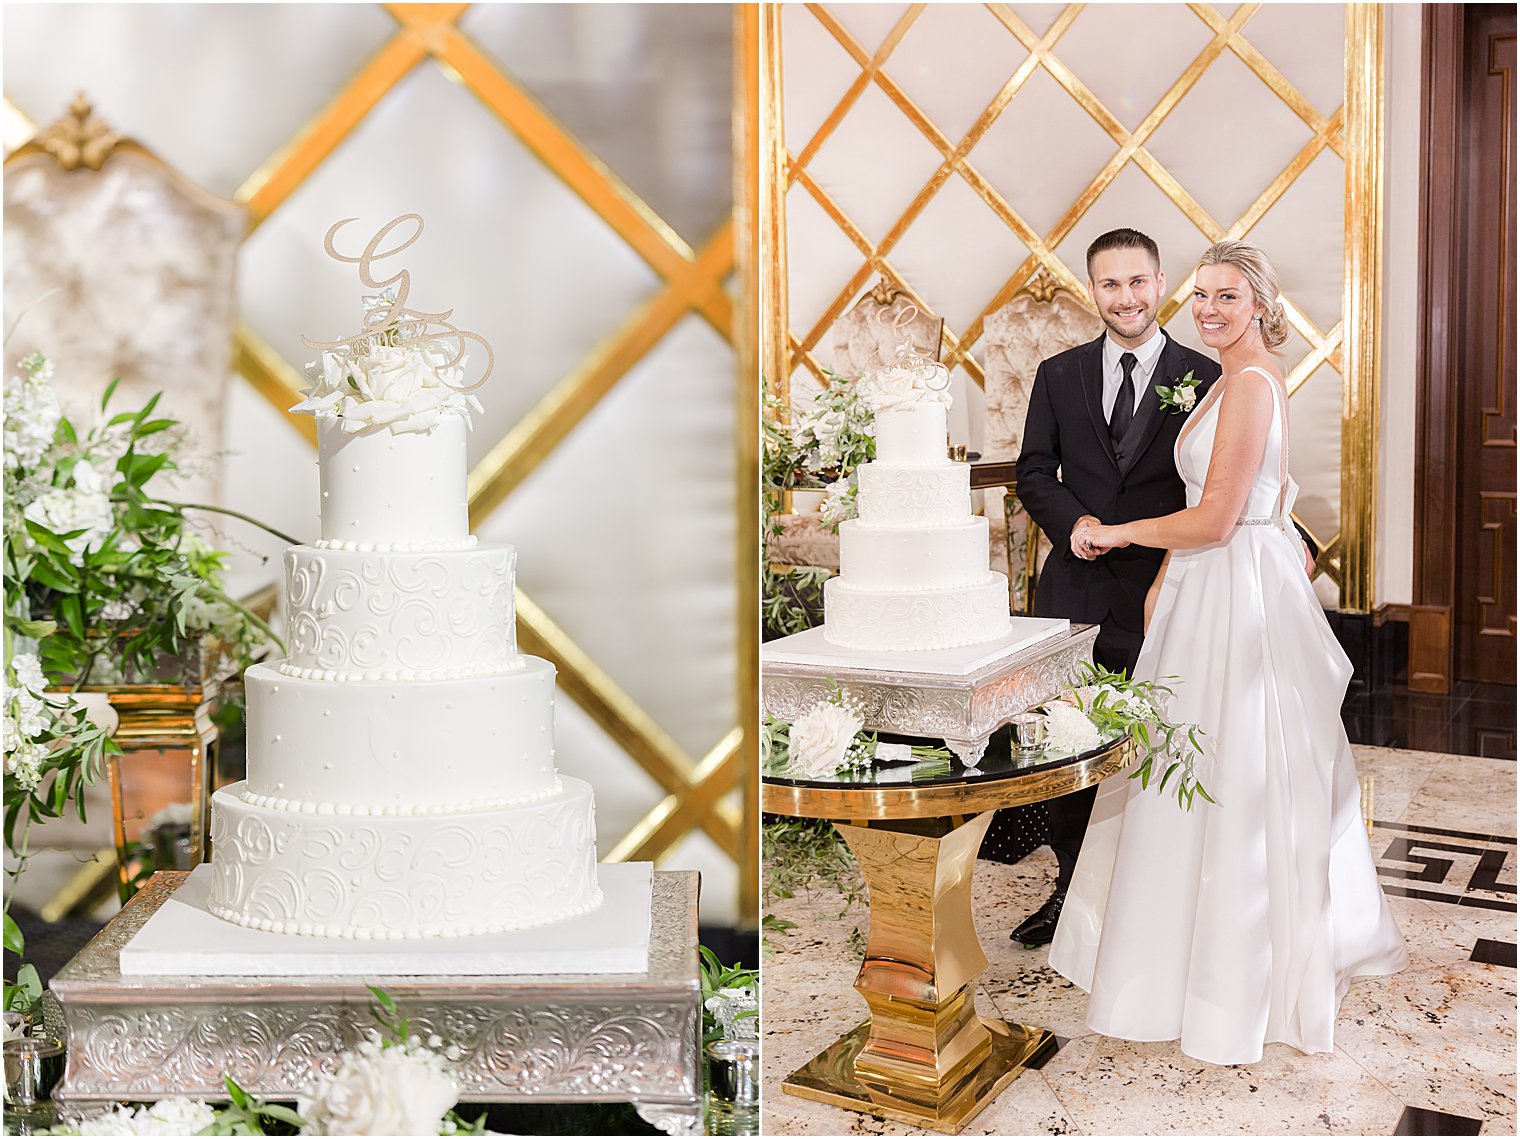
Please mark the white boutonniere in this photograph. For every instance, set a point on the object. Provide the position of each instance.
(1180, 396)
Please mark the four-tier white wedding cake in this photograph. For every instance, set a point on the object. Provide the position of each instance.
(401, 771)
(913, 567)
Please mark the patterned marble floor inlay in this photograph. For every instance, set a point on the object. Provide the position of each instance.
(1418, 1121)
(1429, 1051)
(1440, 865)
(1488, 952)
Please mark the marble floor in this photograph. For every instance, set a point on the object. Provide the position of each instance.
(1430, 1051)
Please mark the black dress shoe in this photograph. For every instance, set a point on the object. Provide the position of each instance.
(1039, 928)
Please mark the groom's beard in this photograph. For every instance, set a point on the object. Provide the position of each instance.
(1117, 330)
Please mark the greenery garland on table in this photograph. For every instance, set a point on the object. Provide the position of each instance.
(105, 583)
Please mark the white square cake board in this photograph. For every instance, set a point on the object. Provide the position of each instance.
(810, 648)
(184, 938)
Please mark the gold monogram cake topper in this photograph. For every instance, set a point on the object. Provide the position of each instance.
(387, 320)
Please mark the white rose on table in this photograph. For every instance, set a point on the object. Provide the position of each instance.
(1067, 729)
(381, 1091)
(819, 739)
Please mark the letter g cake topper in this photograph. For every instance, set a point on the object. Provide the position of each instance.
(388, 322)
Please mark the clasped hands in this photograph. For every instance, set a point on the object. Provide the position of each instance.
(1090, 538)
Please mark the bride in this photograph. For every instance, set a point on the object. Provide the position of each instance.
(1238, 923)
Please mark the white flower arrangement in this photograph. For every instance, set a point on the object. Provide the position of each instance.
(176, 1116)
(832, 434)
(104, 583)
(1109, 704)
(841, 503)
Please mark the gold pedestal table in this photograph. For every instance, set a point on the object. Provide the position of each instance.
(925, 1057)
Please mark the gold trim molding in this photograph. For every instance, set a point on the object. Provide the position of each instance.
(1362, 315)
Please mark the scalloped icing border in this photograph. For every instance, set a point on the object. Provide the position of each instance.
(466, 543)
(296, 672)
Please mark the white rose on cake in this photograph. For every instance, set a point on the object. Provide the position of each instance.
(820, 738)
(404, 387)
(900, 386)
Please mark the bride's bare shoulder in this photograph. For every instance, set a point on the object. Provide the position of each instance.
(1247, 394)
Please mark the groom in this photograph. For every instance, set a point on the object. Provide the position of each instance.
(1098, 449)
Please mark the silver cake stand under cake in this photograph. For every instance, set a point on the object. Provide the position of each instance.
(614, 1038)
(961, 696)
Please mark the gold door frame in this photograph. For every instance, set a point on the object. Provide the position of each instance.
(695, 789)
(1354, 133)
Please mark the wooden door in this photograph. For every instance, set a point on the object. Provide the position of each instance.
(1485, 570)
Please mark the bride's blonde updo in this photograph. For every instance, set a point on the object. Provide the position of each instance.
(1252, 264)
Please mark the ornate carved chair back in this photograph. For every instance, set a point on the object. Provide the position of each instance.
(124, 267)
(1043, 319)
(866, 337)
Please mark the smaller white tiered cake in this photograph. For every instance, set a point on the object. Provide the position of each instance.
(913, 567)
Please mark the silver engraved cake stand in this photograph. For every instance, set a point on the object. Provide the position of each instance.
(923, 694)
(587, 1038)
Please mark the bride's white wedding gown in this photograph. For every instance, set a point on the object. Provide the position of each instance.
(1241, 922)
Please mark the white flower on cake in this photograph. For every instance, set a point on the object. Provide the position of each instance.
(1067, 729)
(379, 1090)
(820, 738)
(405, 388)
(405, 368)
(904, 386)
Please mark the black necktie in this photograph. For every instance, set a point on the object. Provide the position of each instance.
(1124, 402)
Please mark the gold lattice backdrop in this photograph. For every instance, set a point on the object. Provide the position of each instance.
(958, 149)
(677, 283)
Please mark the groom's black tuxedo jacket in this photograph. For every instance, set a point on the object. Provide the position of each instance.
(1068, 468)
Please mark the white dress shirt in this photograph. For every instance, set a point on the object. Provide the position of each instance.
(1113, 375)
